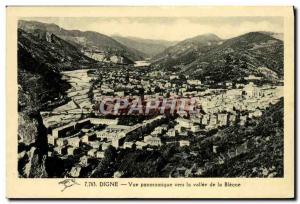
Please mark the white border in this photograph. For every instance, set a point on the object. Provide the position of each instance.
(3, 4)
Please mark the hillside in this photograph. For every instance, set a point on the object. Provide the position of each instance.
(40, 86)
(264, 155)
(86, 41)
(221, 60)
(49, 49)
(39, 62)
(186, 52)
(149, 47)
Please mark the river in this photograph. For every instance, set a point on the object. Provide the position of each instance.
(80, 82)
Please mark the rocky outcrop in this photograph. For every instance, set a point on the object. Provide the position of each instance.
(33, 164)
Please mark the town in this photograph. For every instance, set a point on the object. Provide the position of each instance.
(87, 133)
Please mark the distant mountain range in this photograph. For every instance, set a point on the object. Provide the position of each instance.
(148, 47)
(187, 50)
(205, 56)
(208, 56)
(87, 41)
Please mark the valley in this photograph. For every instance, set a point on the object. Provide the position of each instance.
(234, 86)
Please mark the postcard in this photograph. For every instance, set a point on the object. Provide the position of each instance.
(153, 102)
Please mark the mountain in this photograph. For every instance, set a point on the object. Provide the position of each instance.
(149, 47)
(264, 155)
(187, 51)
(209, 57)
(278, 36)
(47, 48)
(89, 42)
(40, 57)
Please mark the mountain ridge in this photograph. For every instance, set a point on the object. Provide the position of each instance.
(149, 47)
(203, 57)
(84, 39)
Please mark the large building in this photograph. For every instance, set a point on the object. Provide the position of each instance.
(251, 90)
(153, 141)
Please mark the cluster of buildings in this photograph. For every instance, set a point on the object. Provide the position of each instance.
(90, 137)
(102, 56)
(218, 108)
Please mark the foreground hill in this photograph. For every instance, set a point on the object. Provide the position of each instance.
(264, 155)
(149, 47)
(208, 56)
(86, 41)
(41, 57)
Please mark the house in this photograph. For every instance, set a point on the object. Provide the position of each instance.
(255, 114)
(140, 145)
(72, 150)
(62, 131)
(158, 130)
(178, 129)
(51, 139)
(174, 77)
(92, 152)
(84, 139)
(251, 90)
(117, 131)
(252, 77)
(60, 150)
(50, 154)
(197, 119)
(182, 113)
(183, 134)
(105, 145)
(243, 119)
(119, 93)
(228, 84)
(205, 119)
(184, 122)
(103, 121)
(223, 119)
(61, 142)
(153, 141)
(183, 143)
(128, 145)
(73, 141)
(117, 142)
(232, 118)
(94, 144)
(100, 154)
(82, 123)
(171, 132)
(194, 82)
(233, 94)
(195, 128)
(86, 129)
(213, 120)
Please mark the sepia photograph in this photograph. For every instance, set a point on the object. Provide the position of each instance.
(99, 105)
(153, 97)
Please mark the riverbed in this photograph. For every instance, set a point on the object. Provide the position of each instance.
(79, 104)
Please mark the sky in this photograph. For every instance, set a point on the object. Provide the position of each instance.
(169, 28)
